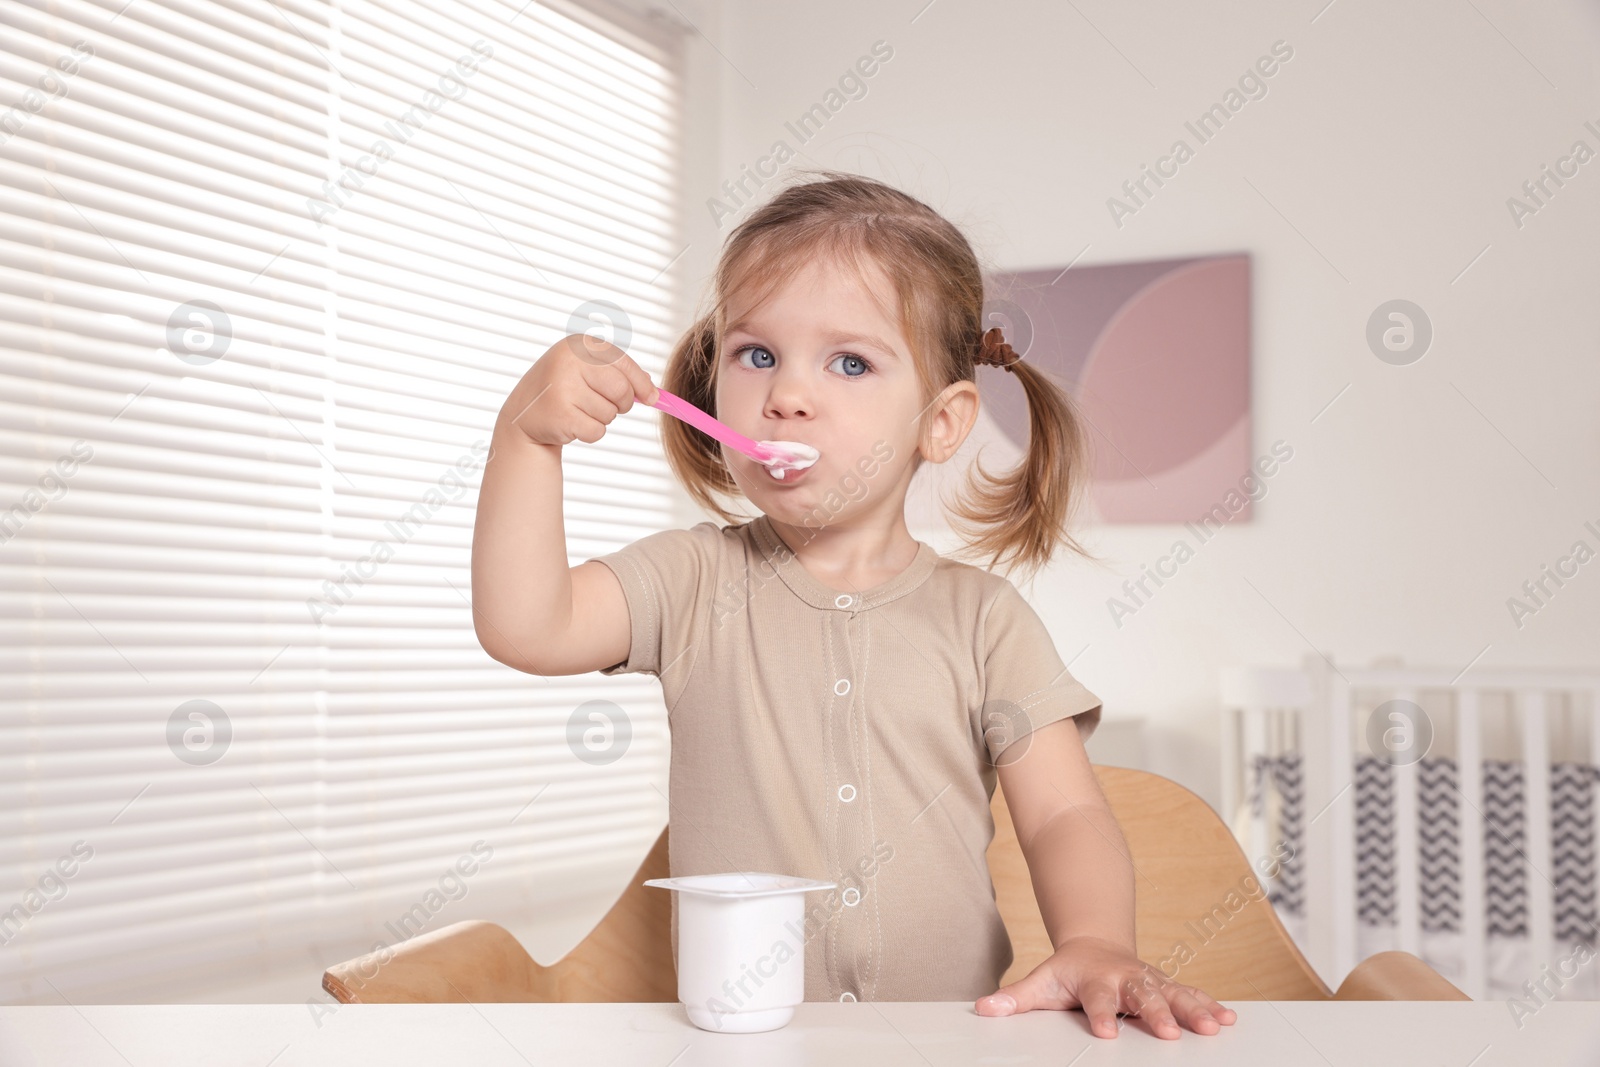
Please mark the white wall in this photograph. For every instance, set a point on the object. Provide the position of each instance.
(1377, 166)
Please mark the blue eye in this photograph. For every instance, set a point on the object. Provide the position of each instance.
(865, 366)
(754, 348)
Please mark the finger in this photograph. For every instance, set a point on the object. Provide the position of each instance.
(591, 350)
(999, 1002)
(1191, 1010)
(1144, 999)
(1099, 1001)
(615, 386)
(1225, 1016)
(1038, 989)
(639, 384)
(588, 430)
(595, 405)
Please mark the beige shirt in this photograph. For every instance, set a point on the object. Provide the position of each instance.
(845, 736)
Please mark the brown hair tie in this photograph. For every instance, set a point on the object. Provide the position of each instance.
(995, 352)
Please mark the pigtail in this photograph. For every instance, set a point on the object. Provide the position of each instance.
(1022, 516)
(695, 458)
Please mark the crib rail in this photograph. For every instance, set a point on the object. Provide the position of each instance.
(1313, 711)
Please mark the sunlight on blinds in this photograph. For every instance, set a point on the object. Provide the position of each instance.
(269, 270)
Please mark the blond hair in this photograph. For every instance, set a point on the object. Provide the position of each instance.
(1020, 516)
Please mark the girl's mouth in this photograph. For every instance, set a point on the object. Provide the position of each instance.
(786, 477)
(786, 461)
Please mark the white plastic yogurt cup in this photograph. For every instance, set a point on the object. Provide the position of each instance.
(741, 948)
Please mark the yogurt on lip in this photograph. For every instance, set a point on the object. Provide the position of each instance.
(789, 456)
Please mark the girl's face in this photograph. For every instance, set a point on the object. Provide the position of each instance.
(819, 363)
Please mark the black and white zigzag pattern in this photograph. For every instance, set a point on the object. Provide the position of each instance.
(1375, 890)
(1289, 891)
(1506, 881)
(1260, 774)
(1439, 838)
(1575, 843)
(1505, 874)
(1572, 851)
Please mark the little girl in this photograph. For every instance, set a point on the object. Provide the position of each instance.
(842, 699)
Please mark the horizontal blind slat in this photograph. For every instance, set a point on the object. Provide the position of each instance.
(222, 542)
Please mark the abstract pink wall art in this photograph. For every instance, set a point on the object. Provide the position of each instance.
(1157, 356)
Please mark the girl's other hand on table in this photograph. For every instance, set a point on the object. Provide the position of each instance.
(1105, 979)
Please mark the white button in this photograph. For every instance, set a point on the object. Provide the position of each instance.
(841, 687)
(847, 997)
(852, 897)
(843, 600)
(847, 792)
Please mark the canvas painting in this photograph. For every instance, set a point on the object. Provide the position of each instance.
(1157, 356)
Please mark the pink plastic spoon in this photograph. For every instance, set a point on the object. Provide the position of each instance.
(779, 456)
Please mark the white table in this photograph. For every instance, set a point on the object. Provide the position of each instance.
(918, 1034)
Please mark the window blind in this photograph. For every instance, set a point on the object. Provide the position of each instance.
(268, 269)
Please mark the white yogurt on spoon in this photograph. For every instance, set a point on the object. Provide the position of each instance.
(788, 456)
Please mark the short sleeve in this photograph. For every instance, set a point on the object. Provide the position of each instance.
(666, 577)
(1026, 685)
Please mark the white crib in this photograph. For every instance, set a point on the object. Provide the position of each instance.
(1412, 851)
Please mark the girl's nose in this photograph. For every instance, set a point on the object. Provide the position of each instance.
(790, 396)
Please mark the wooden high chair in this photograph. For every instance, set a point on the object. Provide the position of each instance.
(1192, 881)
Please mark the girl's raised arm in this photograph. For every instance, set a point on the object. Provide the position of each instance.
(529, 609)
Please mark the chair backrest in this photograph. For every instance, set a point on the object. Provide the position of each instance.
(627, 958)
(1201, 913)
